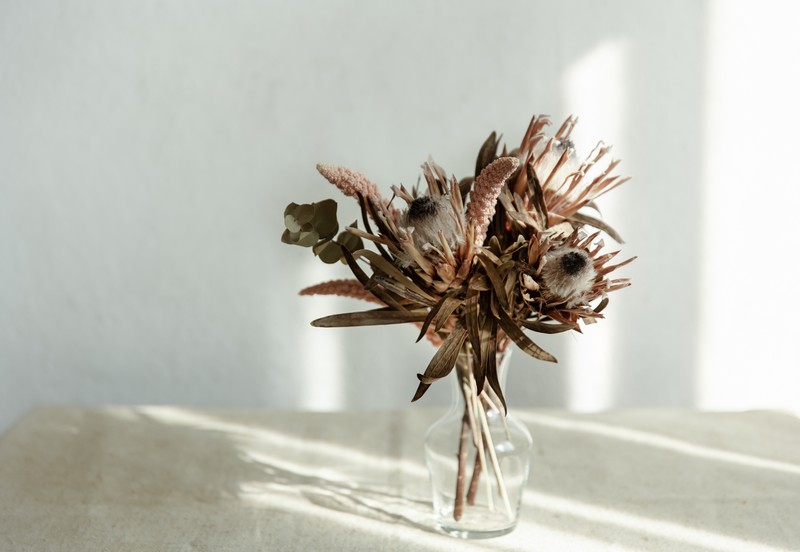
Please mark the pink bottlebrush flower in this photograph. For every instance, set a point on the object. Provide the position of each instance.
(342, 288)
(484, 194)
(352, 183)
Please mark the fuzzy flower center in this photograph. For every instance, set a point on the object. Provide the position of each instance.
(568, 274)
(572, 263)
(422, 208)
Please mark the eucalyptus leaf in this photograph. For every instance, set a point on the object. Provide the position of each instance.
(304, 213)
(291, 223)
(349, 241)
(289, 237)
(290, 209)
(328, 251)
(307, 238)
(324, 218)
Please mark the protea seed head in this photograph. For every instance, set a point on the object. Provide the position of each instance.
(569, 274)
(427, 216)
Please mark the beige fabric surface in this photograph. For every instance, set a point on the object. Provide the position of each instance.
(177, 479)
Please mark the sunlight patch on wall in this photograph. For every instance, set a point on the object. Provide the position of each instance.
(320, 363)
(595, 90)
(751, 199)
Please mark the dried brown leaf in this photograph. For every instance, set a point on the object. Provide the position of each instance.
(487, 153)
(546, 327)
(494, 277)
(443, 361)
(523, 341)
(377, 317)
(597, 223)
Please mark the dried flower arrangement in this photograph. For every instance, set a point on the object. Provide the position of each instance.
(517, 256)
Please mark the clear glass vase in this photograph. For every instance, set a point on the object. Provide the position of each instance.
(492, 476)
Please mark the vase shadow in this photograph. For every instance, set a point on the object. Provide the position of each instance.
(357, 495)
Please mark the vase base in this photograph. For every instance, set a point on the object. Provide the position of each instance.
(463, 533)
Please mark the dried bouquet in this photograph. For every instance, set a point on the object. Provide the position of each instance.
(474, 262)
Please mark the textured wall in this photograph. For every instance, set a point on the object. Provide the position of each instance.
(147, 150)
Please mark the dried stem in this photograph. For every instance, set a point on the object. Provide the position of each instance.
(495, 462)
(479, 446)
(473, 484)
(458, 508)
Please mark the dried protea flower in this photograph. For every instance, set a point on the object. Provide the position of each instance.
(568, 274)
(431, 217)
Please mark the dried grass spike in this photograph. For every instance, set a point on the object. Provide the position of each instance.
(352, 183)
(342, 288)
(484, 194)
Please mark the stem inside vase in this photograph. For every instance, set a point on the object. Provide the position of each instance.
(478, 458)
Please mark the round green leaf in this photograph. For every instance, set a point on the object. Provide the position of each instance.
(350, 241)
(292, 224)
(324, 220)
(307, 239)
(304, 213)
(329, 251)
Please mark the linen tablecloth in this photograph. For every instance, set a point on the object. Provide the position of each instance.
(180, 479)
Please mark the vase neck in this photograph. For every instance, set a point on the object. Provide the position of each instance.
(465, 362)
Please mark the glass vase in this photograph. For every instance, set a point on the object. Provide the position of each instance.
(489, 478)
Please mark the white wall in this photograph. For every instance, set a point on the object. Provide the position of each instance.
(147, 150)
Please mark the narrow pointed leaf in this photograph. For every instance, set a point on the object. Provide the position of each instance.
(491, 366)
(494, 276)
(377, 317)
(398, 289)
(546, 327)
(597, 223)
(465, 186)
(393, 272)
(487, 153)
(362, 277)
(603, 304)
(443, 361)
(448, 308)
(538, 196)
(523, 341)
(471, 312)
(424, 329)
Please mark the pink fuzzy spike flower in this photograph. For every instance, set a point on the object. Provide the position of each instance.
(484, 194)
